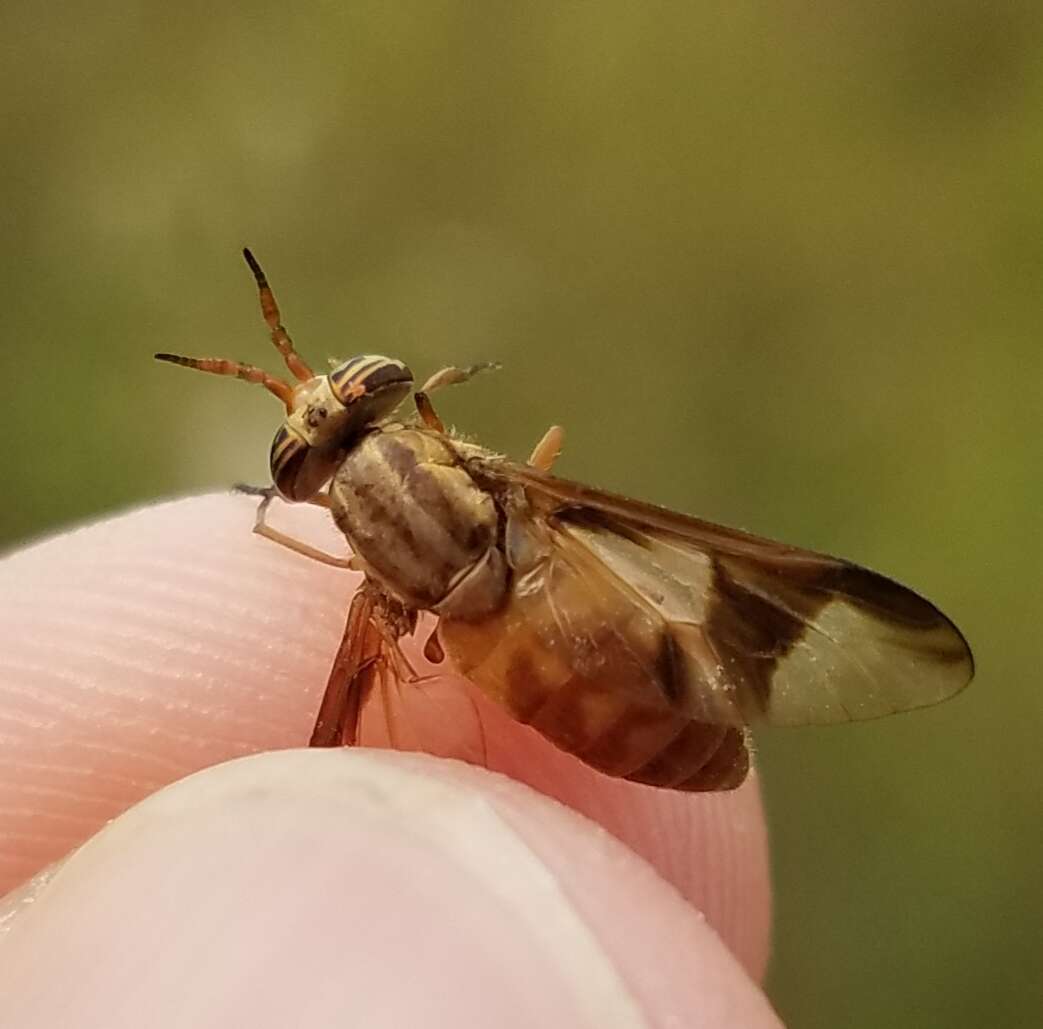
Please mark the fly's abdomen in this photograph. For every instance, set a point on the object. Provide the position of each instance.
(586, 668)
(419, 524)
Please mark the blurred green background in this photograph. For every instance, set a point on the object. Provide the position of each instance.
(778, 266)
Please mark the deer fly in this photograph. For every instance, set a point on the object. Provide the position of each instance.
(644, 642)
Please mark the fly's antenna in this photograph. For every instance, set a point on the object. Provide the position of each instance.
(246, 372)
(270, 312)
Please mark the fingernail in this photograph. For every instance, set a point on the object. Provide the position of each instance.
(22, 898)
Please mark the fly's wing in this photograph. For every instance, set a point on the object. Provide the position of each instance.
(753, 631)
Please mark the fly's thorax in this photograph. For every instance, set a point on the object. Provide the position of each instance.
(419, 524)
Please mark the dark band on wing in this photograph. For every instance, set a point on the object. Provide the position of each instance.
(750, 634)
(887, 601)
(763, 608)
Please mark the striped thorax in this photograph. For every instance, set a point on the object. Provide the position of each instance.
(418, 524)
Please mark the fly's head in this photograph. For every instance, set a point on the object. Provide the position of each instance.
(328, 414)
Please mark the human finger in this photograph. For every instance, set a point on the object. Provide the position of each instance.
(335, 888)
(151, 645)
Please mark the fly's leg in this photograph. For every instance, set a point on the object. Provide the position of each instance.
(262, 528)
(395, 671)
(358, 659)
(404, 669)
(271, 493)
(546, 452)
(450, 376)
(427, 413)
(368, 658)
(407, 675)
(388, 702)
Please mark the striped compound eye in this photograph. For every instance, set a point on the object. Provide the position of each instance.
(299, 471)
(371, 385)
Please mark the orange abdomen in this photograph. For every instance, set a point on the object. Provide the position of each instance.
(590, 680)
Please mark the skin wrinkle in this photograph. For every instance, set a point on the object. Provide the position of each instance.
(38, 817)
(189, 597)
(114, 661)
(75, 783)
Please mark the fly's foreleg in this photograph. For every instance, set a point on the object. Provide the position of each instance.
(262, 528)
(450, 376)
